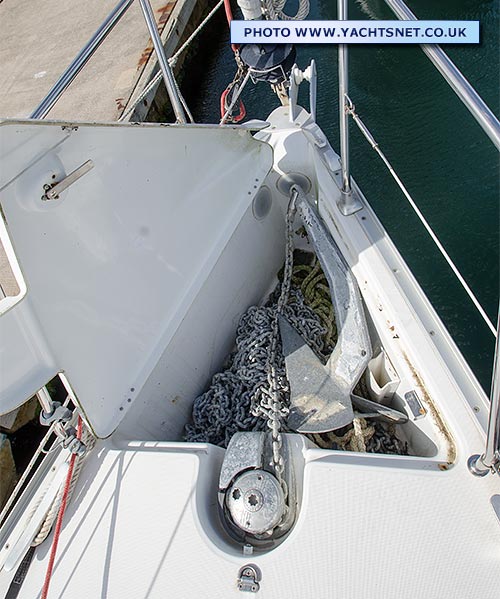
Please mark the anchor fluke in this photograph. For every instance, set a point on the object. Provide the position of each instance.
(317, 404)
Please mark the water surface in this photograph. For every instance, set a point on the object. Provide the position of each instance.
(449, 166)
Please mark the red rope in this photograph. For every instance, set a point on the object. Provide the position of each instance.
(235, 119)
(239, 117)
(60, 516)
(229, 12)
(223, 102)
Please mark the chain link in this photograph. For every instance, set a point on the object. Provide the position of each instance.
(271, 404)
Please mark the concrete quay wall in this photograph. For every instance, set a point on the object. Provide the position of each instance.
(40, 38)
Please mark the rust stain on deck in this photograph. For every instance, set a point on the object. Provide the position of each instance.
(436, 416)
(164, 12)
(146, 53)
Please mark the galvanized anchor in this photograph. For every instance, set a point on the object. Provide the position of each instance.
(317, 401)
(320, 396)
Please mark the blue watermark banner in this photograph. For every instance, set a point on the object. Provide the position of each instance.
(355, 32)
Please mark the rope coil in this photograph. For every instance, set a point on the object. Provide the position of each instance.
(88, 440)
(273, 10)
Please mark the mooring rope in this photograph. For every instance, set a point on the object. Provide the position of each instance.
(172, 61)
(273, 10)
(88, 440)
(60, 516)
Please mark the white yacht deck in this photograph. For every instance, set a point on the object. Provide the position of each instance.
(377, 526)
(143, 520)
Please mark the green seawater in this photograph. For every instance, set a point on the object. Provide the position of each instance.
(442, 155)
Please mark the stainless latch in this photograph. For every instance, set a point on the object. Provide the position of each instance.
(52, 191)
(249, 578)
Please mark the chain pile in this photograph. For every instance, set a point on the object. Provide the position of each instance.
(253, 392)
(226, 407)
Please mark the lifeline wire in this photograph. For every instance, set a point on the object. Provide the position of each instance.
(374, 144)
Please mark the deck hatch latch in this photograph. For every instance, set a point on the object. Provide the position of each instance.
(52, 191)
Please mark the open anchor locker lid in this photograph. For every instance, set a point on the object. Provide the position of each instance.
(110, 264)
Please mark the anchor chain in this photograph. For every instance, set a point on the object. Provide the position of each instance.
(267, 402)
(252, 392)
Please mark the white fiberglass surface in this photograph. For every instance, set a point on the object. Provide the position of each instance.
(241, 278)
(113, 264)
(140, 278)
(244, 274)
(141, 523)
